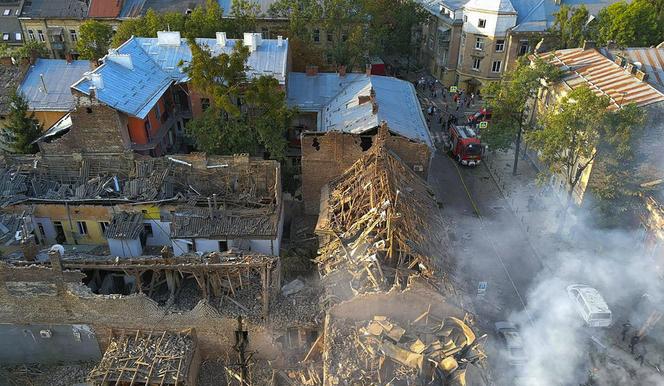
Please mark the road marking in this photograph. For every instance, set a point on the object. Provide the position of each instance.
(493, 245)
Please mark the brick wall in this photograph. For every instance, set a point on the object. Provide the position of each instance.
(73, 303)
(96, 128)
(326, 156)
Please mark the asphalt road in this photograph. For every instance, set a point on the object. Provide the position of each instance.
(488, 247)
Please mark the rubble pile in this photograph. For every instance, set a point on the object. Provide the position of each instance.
(379, 224)
(45, 375)
(380, 351)
(152, 358)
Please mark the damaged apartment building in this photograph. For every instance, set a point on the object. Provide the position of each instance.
(127, 203)
(339, 116)
(138, 98)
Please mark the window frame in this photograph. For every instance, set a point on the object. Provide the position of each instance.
(40, 35)
(73, 35)
(316, 36)
(501, 43)
(479, 63)
(82, 227)
(6, 36)
(479, 43)
(493, 66)
(481, 23)
(31, 35)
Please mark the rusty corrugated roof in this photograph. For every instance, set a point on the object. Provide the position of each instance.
(605, 77)
(105, 8)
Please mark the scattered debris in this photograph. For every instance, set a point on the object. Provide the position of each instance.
(293, 287)
(149, 358)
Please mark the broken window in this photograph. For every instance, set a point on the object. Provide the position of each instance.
(481, 23)
(223, 246)
(82, 227)
(205, 103)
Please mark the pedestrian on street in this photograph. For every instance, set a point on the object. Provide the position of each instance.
(472, 98)
(625, 329)
(633, 342)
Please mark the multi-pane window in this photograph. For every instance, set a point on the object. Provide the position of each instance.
(524, 47)
(31, 34)
(500, 45)
(72, 35)
(104, 225)
(316, 35)
(5, 36)
(479, 43)
(476, 64)
(40, 33)
(495, 66)
(481, 23)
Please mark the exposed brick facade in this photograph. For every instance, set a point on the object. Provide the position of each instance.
(70, 302)
(96, 128)
(326, 156)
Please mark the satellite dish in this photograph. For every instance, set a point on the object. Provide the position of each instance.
(58, 248)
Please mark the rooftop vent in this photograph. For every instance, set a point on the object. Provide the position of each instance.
(168, 38)
(122, 59)
(252, 40)
(221, 39)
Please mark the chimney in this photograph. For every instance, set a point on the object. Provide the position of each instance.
(342, 70)
(6, 61)
(280, 41)
(620, 61)
(221, 39)
(252, 40)
(367, 69)
(92, 91)
(168, 38)
(96, 80)
(588, 44)
(641, 75)
(122, 59)
(631, 68)
(362, 99)
(312, 70)
(68, 58)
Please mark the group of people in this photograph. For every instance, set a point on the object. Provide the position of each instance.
(636, 347)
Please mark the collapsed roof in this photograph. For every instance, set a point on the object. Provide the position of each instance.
(379, 224)
(357, 103)
(246, 192)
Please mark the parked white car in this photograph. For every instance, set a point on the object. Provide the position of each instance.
(590, 304)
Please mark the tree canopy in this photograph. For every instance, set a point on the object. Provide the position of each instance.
(21, 128)
(571, 26)
(203, 22)
(94, 39)
(578, 130)
(639, 23)
(244, 113)
(511, 98)
(28, 49)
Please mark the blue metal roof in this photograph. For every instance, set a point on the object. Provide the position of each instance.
(268, 59)
(133, 90)
(337, 100)
(538, 15)
(53, 94)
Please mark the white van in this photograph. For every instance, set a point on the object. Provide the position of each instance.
(590, 304)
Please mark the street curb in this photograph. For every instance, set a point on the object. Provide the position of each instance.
(514, 213)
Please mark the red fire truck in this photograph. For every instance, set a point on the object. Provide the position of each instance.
(465, 145)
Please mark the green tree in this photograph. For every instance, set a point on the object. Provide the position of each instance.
(511, 101)
(94, 39)
(229, 126)
(570, 26)
(205, 21)
(21, 127)
(637, 24)
(391, 24)
(243, 16)
(579, 130)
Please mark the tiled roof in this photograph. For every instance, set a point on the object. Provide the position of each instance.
(337, 99)
(105, 8)
(75, 9)
(603, 76)
(53, 93)
(215, 224)
(137, 74)
(125, 226)
(652, 63)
